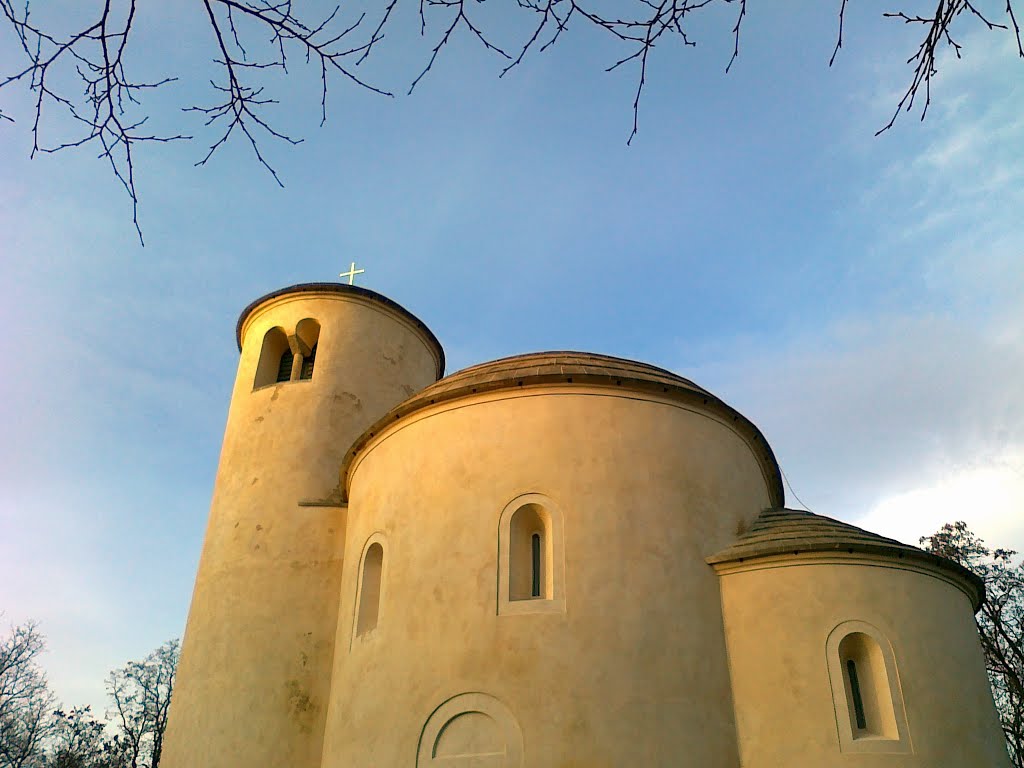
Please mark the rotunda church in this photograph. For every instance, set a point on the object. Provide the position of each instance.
(550, 560)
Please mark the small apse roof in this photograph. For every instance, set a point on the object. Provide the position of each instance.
(782, 531)
(574, 369)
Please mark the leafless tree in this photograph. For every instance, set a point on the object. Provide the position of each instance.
(250, 39)
(141, 695)
(79, 740)
(1000, 622)
(26, 702)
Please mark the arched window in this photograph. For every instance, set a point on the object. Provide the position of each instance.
(530, 557)
(275, 346)
(307, 334)
(866, 690)
(307, 364)
(866, 685)
(368, 596)
(529, 536)
(284, 366)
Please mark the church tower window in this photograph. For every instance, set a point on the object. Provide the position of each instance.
(284, 366)
(271, 361)
(307, 364)
(530, 556)
(307, 334)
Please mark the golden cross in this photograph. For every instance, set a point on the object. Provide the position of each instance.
(351, 274)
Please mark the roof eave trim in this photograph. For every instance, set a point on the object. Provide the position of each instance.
(975, 585)
(701, 397)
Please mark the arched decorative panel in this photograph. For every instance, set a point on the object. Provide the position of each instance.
(471, 730)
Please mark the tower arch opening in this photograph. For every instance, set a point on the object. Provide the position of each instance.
(307, 333)
(272, 359)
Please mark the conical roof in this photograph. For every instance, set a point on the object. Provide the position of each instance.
(783, 531)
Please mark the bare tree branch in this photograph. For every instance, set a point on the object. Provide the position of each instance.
(251, 38)
(141, 695)
(839, 39)
(460, 18)
(938, 37)
(25, 698)
(97, 53)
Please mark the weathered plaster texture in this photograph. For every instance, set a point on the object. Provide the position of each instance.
(556, 560)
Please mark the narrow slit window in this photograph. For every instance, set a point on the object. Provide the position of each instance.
(866, 691)
(368, 609)
(531, 557)
(535, 563)
(284, 367)
(530, 539)
(858, 701)
(873, 710)
(307, 364)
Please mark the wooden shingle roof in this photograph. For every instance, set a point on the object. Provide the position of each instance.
(781, 532)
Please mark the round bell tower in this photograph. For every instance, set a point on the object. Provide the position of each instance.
(319, 364)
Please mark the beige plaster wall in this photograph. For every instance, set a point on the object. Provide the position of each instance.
(777, 621)
(254, 677)
(632, 671)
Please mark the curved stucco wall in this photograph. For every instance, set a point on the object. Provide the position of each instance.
(632, 671)
(254, 677)
(778, 619)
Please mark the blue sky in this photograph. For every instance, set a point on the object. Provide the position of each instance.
(857, 297)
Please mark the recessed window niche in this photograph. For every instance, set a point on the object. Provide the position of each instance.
(531, 556)
(286, 358)
(866, 690)
(272, 354)
(369, 589)
(307, 333)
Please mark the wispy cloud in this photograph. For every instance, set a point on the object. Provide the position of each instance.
(872, 417)
(986, 492)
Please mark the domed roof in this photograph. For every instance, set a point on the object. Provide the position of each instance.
(565, 368)
(555, 367)
(792, 532)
